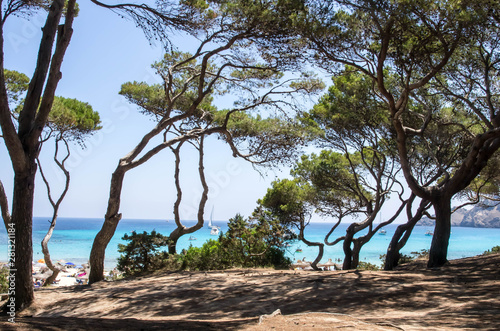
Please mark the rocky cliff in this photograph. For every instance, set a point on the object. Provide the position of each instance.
(477, 217)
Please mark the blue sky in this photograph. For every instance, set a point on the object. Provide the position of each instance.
(105, 52)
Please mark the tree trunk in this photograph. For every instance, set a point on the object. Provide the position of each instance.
(393, 251)
(101, 241)
(172, 240)
(347, 265)
(320, 246)
(355, 253)
(46, 253)
(22, 221)
(392, 256)
(439, 246)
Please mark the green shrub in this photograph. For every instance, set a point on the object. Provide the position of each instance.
(4, 281)
(403, 258)
(248, 243)
(495, 249)
(367, 266)
(142, 253)
(423, 254)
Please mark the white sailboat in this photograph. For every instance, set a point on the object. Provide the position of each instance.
(214, 229)
(381, 231)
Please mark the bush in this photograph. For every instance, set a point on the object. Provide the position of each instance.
(141, 253)
(248, 243)
(403, 258)
(367, 266)
(495, 249)
(4, 281)
(251, 243)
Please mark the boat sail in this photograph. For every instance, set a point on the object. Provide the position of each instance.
(214, 229)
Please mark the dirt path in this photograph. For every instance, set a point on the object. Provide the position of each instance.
(465, 294)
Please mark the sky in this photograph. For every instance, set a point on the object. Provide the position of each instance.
(105, 52)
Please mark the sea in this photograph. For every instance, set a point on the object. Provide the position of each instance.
(73, 237)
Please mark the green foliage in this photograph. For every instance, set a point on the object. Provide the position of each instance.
(142, 253)
(493, 250)
(287, 201)
(350, 105)
(73, 118)
(367, 266)
(403, 258)
(4, 281)
(333, 179)
(207, 257)
(182, 73)
(248, 243)
(16, 84)
(151, 98)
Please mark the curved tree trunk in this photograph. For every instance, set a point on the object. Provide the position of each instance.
(393, 251)
(101, 241)
(347, 265)
(356, 249)
(393, 255)
(4, 206)
(46, 255)
(442, 230)
(403, 233)
(320, 246)
(181, 229)
(172, 240)
(55, 207)
(321, 249)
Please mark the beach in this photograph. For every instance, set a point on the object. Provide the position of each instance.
(462, 295)
(68, 276)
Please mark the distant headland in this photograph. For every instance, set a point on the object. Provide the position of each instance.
(477, 217)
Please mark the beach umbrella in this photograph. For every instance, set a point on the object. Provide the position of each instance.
(79, 267)
(41, 261)
(327, 264)
(301, 264)
(69, 263)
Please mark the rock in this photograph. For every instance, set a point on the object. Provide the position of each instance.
(477, 217)
(263, 317)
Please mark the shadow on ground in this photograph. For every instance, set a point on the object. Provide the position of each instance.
(462, 294)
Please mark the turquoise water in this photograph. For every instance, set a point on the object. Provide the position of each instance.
(72, 240)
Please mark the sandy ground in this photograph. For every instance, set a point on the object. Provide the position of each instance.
(464, 295)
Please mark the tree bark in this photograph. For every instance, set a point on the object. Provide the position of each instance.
(101, 241)
(55, 207)
(347, 265)
(23, 145)
(4, 206)
(321, 246)
(22, 220)
(442, 230)
(358, 243)
(403, 232)
(181, 230)
(173, 238)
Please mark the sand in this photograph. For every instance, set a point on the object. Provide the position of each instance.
(463, 295)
